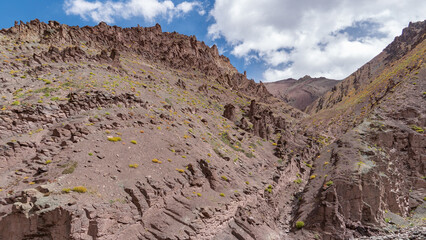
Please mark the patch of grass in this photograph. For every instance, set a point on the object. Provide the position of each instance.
(227, 140)
(298, 181)
(16, 103)
(249, 154)
(387, 220)
(417, 128)
(300, 224)
(114, 139)
(79, 189)
(70, 168)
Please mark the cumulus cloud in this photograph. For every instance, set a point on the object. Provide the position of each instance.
(108, 11)
(320, 38)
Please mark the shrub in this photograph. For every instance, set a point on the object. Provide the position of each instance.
(180, 170)
(300, 224)
(66, 190)
(298, 181)
(133, 165)
(222, 194)
(329, 183)
(199, 194)
(79, 189)
(48, 161)
(224, 178)
(313, 177)
(134, 142)
(156, 160)
(16, 103)
(114, 139)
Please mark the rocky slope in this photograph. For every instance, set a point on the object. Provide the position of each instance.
(135, 133)
(372, 177)
(111, 133)
(302, 92)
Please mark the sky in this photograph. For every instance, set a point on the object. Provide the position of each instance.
(270, 39)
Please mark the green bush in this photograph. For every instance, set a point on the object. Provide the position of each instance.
(300, 224)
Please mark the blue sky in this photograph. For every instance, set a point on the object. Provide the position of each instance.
(271, 39)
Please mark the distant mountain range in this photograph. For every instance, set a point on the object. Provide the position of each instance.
(302, 92)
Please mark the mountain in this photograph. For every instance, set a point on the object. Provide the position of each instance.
(371, 176)
(302, 92)
(136, 133)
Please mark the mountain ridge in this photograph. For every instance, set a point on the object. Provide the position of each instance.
(302, 92)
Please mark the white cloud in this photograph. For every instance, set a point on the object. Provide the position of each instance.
(295, 38)
(108, 11)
